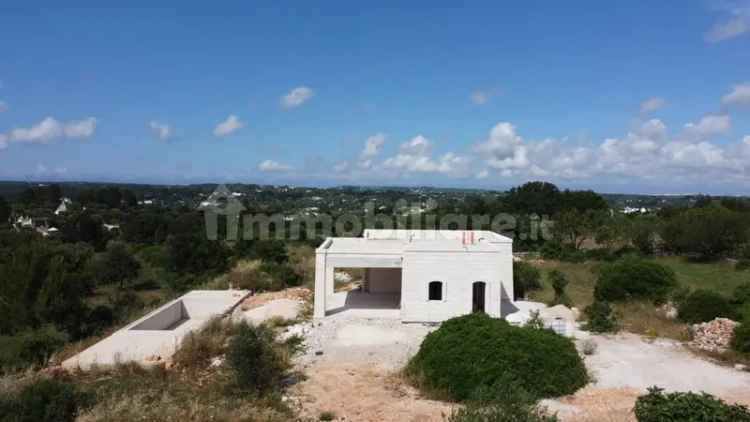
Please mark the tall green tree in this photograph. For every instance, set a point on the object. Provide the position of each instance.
(4, 211)
(117, 265)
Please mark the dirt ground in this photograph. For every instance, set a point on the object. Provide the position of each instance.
(352, 368)
(357, 392)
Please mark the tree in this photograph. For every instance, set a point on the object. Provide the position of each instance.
(582, 200)
(117, 265)
(526, 278)
(709, 231)
(540, 198)
(574, 227)
(4, 211)
(195, 254)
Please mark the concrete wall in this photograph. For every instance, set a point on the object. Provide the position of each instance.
(384, 280)
(458, 271)
(165, 318)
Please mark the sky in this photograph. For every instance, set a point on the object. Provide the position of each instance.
(631, 97)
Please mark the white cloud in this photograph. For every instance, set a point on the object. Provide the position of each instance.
(297, 97)
(729, 29)
(42, 132)
(740, 95)
(43, 170)
(273, 166)
(160, 131)
(81, 129)
(3, 106)
(414, 156)
(735, 24)
(708, 127)
(228, 126)
(480, 97)
(652, 104)
(50, 129)
(3, 141)
(504, 148)
(373, 146)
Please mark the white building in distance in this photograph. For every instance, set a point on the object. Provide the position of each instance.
(418, 275)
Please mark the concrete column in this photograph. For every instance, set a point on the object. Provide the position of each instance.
(319, 309)
(330, 270)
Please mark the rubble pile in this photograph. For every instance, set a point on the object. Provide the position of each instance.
(713, 336)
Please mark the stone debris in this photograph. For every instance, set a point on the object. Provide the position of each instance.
(287, 309)
(713, 336)
(669, 310)
(295, 293)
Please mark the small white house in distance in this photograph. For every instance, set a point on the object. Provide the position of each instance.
(418, 275)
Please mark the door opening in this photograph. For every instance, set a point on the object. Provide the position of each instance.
(477, 297)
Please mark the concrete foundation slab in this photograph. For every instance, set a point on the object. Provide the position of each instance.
(157, 335)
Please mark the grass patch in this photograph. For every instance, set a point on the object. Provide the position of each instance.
(642, 317)
(719, 276)
(194, 389)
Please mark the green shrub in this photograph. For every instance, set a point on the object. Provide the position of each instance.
(476, 350)
(742, 265)
(600, 318)
(705, 305)
(45, 400)
(634, 278)
(281, 274)
(686, 407)
(256, 362)
(327, 416)
(506, 401)
(741, 338)
(559, 282)
(741, 294)
(526, 278)
(551, 250)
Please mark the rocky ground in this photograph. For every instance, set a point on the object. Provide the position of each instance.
(353, 364)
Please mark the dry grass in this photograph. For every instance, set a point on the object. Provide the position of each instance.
(191, 390)
(580, 289)
(642, 317)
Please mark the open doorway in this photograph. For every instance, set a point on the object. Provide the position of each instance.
(370, 292)
(477, 296)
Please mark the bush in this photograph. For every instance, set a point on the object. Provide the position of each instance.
(705, 305)
(634, 278)
(506, 401)
(686, 407)
(741, 294)
(742, 265)
(526, 278)
(282, 274)
(600, 318)
(99, 319)
(256, 363)
(741, 338)
(476, 350)
(551, 250)
(559, 282)
(45, 400)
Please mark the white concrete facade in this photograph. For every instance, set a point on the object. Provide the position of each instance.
(432, 275)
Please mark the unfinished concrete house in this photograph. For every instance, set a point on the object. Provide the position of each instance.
(417, 275)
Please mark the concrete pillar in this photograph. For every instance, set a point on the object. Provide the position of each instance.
(319, 309)
(330, 282)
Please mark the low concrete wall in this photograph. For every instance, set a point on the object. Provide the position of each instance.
(165, 319)
(157, 335)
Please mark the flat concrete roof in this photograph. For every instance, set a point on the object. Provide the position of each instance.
(396, 242)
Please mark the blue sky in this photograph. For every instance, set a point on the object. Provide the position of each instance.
(647, 97)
